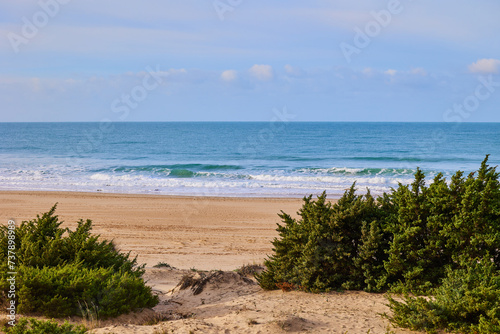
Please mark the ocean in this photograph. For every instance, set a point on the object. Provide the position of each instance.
(244, 159)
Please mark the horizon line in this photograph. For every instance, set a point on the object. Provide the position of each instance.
(267, 121)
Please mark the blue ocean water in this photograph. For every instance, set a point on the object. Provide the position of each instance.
(261, 159)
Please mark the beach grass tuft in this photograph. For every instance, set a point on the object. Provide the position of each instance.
(163, 265)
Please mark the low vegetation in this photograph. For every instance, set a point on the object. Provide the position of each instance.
(34, 326)
(250, 269)
(59, 270)
(440, 240)
(197, 281)
(467, 301)
(163, 265)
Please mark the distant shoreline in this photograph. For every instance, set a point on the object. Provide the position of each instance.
(150, 195)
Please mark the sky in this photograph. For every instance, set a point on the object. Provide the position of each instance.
(247, 60)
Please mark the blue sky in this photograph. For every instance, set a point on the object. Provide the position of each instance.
(238, 60)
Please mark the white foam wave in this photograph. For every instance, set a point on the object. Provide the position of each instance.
(269, 183)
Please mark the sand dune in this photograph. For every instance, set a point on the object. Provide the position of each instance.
(230, 303)
(206, 234)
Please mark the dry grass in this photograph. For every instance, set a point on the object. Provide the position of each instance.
(165, 316)
(197, 281)
(250, 270)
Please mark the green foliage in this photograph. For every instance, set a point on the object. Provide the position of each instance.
(34, 326)
(330, 247)
(417, 238)
(443, 226)
(59, 289)
(418, 253)
(467, 301)
(163, 265)
(59, 269)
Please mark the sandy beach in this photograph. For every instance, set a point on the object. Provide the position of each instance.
(186, 232)
(204, 233)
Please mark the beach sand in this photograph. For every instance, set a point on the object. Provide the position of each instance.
(186, 232)
(206, 234)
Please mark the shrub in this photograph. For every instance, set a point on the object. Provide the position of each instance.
(443, 226)
(467, 301)
(405, 239)
(34, 326)
(59, 269)
(440, 239)
(330, 247)
(417, 253)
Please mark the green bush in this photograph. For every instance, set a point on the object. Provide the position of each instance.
(34, 326)
(59, 269)
(417, 238)
(467, 301)
(405, 239)
(442, 226)
(332, 246)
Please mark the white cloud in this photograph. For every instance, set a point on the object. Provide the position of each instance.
(262, 72)
(293, 71)
(289, 69)
(229, 75)
(170, 72)
(419, 71)
(391, 72)
(485, 66)
(368, 71)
